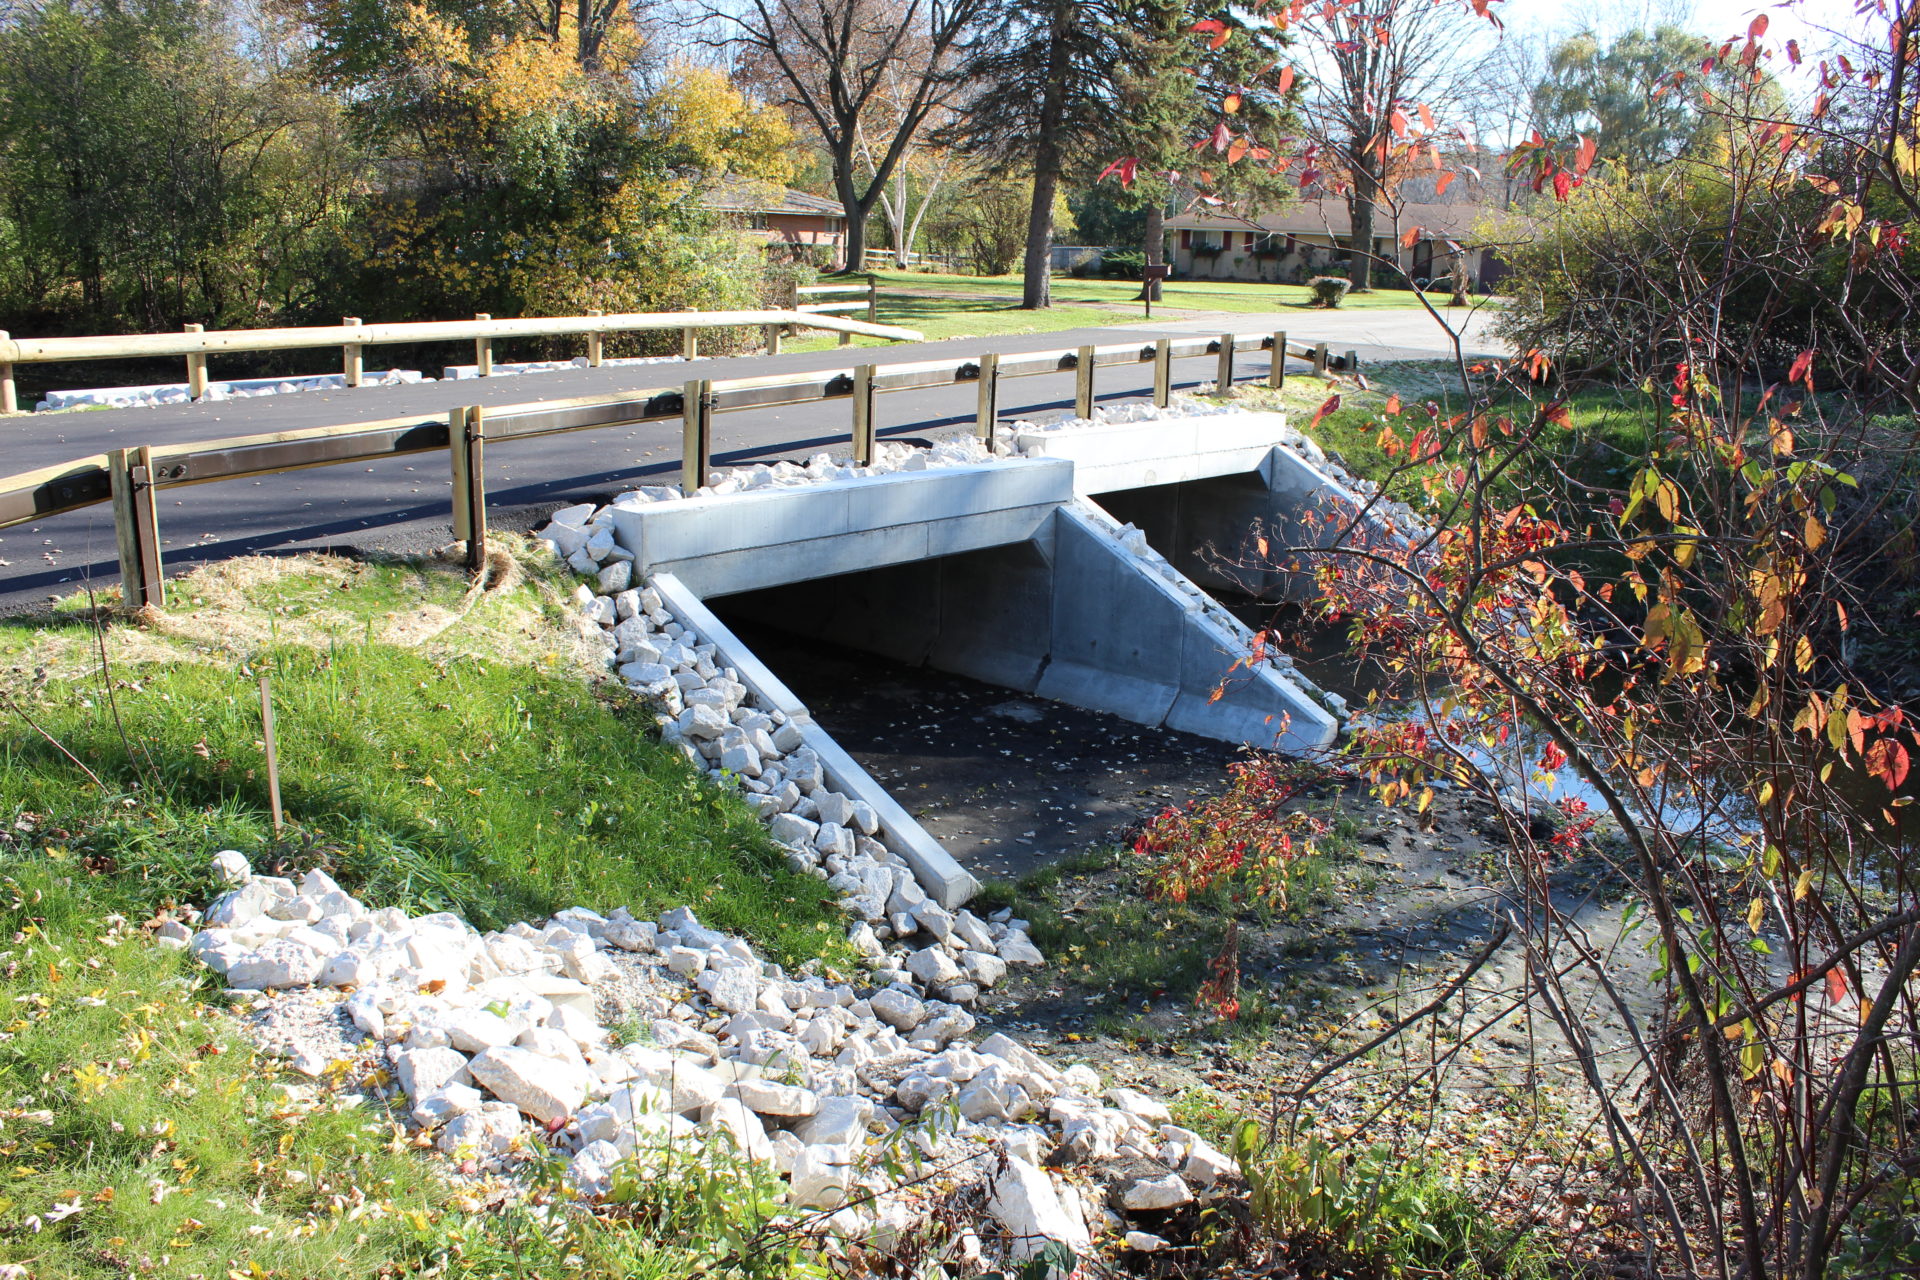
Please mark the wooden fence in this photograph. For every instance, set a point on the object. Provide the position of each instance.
(130, 478)
(353, 337)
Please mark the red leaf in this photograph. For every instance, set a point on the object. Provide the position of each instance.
(1286, 79)
(1758, 27)
(1445, 181)
(1802, 369)
(1562, 185)
(1426, 117)
(1211, 24)
(1308, 177)
(1836, 985)
(1238, 149)
(1398, 122)
(1793, 52)
(1126, 167)
(1330, 405)
(1411, 238)
(1230, 104)
(1222, 136)
(1584, 161)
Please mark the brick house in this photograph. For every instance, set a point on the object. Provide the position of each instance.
(782, 216)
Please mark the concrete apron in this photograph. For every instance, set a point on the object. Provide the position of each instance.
(1004, 571)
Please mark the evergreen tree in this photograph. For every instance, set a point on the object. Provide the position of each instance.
(1067, 89)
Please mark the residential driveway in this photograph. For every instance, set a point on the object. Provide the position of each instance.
(401, 505)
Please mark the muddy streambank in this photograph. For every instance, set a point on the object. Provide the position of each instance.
(1041, 800)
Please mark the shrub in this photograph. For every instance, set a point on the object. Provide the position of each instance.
(1328, 291)
(1123, 264)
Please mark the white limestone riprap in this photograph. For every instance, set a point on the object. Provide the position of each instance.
(710, 716)
(867, 1096)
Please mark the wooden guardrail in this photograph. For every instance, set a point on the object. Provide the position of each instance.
(353, 337)
(129, 478)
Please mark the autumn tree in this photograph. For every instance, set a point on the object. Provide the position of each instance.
(1377, 72)
(1681, 633)
(864, 75)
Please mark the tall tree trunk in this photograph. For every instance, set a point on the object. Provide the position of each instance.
(1036, 291)
(1360, 209)
(856, 211)
(1155, 244)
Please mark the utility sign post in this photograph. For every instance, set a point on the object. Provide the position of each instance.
(1153, 271)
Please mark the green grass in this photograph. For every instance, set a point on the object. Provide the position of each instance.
(173, 1149)
(984, 316)
(990, 305)
(439, 748)
(1187, 295)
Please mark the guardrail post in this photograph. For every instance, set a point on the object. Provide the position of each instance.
(773, 339)
(1083, 383)
(696, 440)
(689, 344)
(873, 298)
(595, 346)
(1277, 374)
(475, 489)
(988, 411)
(136, 528)
(483, 349)
(1353, 362)
(9, 403)
(1223, 379)
(1163, 372)
(863, 424)
(1320, 358)
(457, 455)
(351, 366)
(196, 367)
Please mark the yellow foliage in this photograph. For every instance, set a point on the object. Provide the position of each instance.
(700, 112)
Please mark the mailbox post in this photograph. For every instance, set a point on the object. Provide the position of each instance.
(1152, 272)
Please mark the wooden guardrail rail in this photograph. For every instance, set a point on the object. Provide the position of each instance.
(129, 478)
(353, 337)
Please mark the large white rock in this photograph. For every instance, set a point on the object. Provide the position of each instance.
(837, 1121)
(1022, 1199)
(897, 1009)
(1168, 1191)
(547, 1089)
(749, 1135)
(424, 1072)
(767, 1098)
(933, 966)
(822, 1176)
(1017, 948)
(274, 964)
(230, 866)
(476, 1030)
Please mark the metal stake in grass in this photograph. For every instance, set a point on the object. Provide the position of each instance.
(273, 755)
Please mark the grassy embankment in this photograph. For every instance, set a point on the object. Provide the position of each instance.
(438, 749)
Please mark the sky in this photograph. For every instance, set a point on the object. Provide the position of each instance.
(1715, 19)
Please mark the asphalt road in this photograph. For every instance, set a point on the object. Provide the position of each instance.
(401, 505)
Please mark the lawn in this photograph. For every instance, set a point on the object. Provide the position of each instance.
(1187, 295)
(982, 316)
(945, 306)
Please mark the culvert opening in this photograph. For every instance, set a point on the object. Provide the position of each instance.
(1005, 780)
